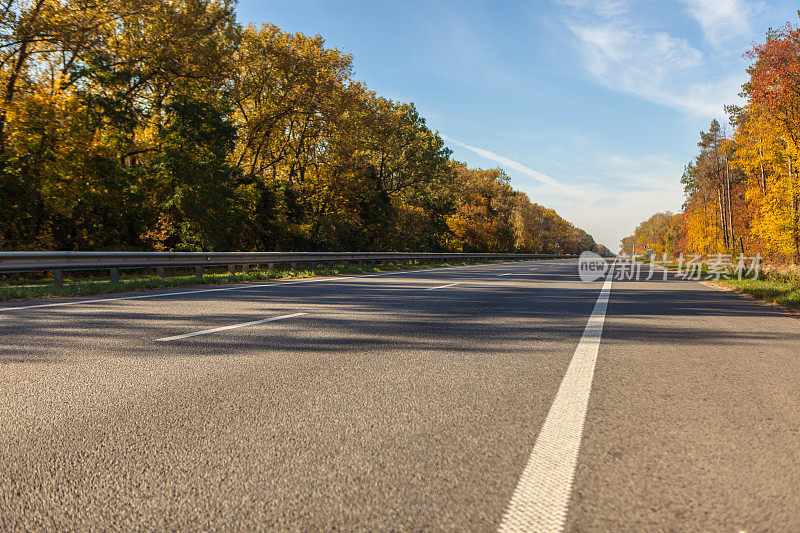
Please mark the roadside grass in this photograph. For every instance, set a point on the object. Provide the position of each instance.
(775, 285)
(30, 288)
(784, 292)
(770, 286)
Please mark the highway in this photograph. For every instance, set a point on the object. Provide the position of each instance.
(403, 401)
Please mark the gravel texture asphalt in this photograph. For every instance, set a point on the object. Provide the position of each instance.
(387, 406)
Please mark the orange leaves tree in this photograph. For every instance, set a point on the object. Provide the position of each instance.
(743, 192)
(768, 145)
(165, 124)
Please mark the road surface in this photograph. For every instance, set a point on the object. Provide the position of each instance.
(403, 401)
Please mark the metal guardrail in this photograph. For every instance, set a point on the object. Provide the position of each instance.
(58, 262)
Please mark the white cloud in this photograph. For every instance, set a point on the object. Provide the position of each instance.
(655, 65)
(607, 213)
(541, 177)
(612, 48)
(617, 160)
(722, 20)
(615, 217)
(694, 68)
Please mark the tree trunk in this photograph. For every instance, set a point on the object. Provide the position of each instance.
(793, 198)
(732, 240)
(763, 182)
(722, 224)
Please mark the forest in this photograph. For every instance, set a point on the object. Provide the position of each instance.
(168, 125)
(742, 189)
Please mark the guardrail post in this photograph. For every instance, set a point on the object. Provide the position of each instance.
(114, 262)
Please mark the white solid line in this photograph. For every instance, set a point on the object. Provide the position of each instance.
(224, 328)
(237, 287)
(541, 498)
(167, 294)
(443, 286)
(220, 289)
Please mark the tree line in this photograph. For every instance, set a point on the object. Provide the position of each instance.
(742, 190)
(167, 125)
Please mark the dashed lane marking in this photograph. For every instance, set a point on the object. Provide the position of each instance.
(225, 328)
(443, 286)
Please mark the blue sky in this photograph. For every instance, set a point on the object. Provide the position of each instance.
(592, 107)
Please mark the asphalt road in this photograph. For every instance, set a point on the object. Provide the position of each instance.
(403, 401)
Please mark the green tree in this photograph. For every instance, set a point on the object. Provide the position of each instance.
(194, 179)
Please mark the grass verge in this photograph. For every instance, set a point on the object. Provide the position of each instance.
(141, 283)
(785, 292)
(770, 287)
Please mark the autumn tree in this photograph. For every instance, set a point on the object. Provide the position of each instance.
(155, 124)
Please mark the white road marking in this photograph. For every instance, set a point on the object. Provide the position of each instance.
(506, 274)
(225, 328)
(235, 288)
(395, 272)
(443, 286)
(167, 294)
(534, 268)
(541, 498)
